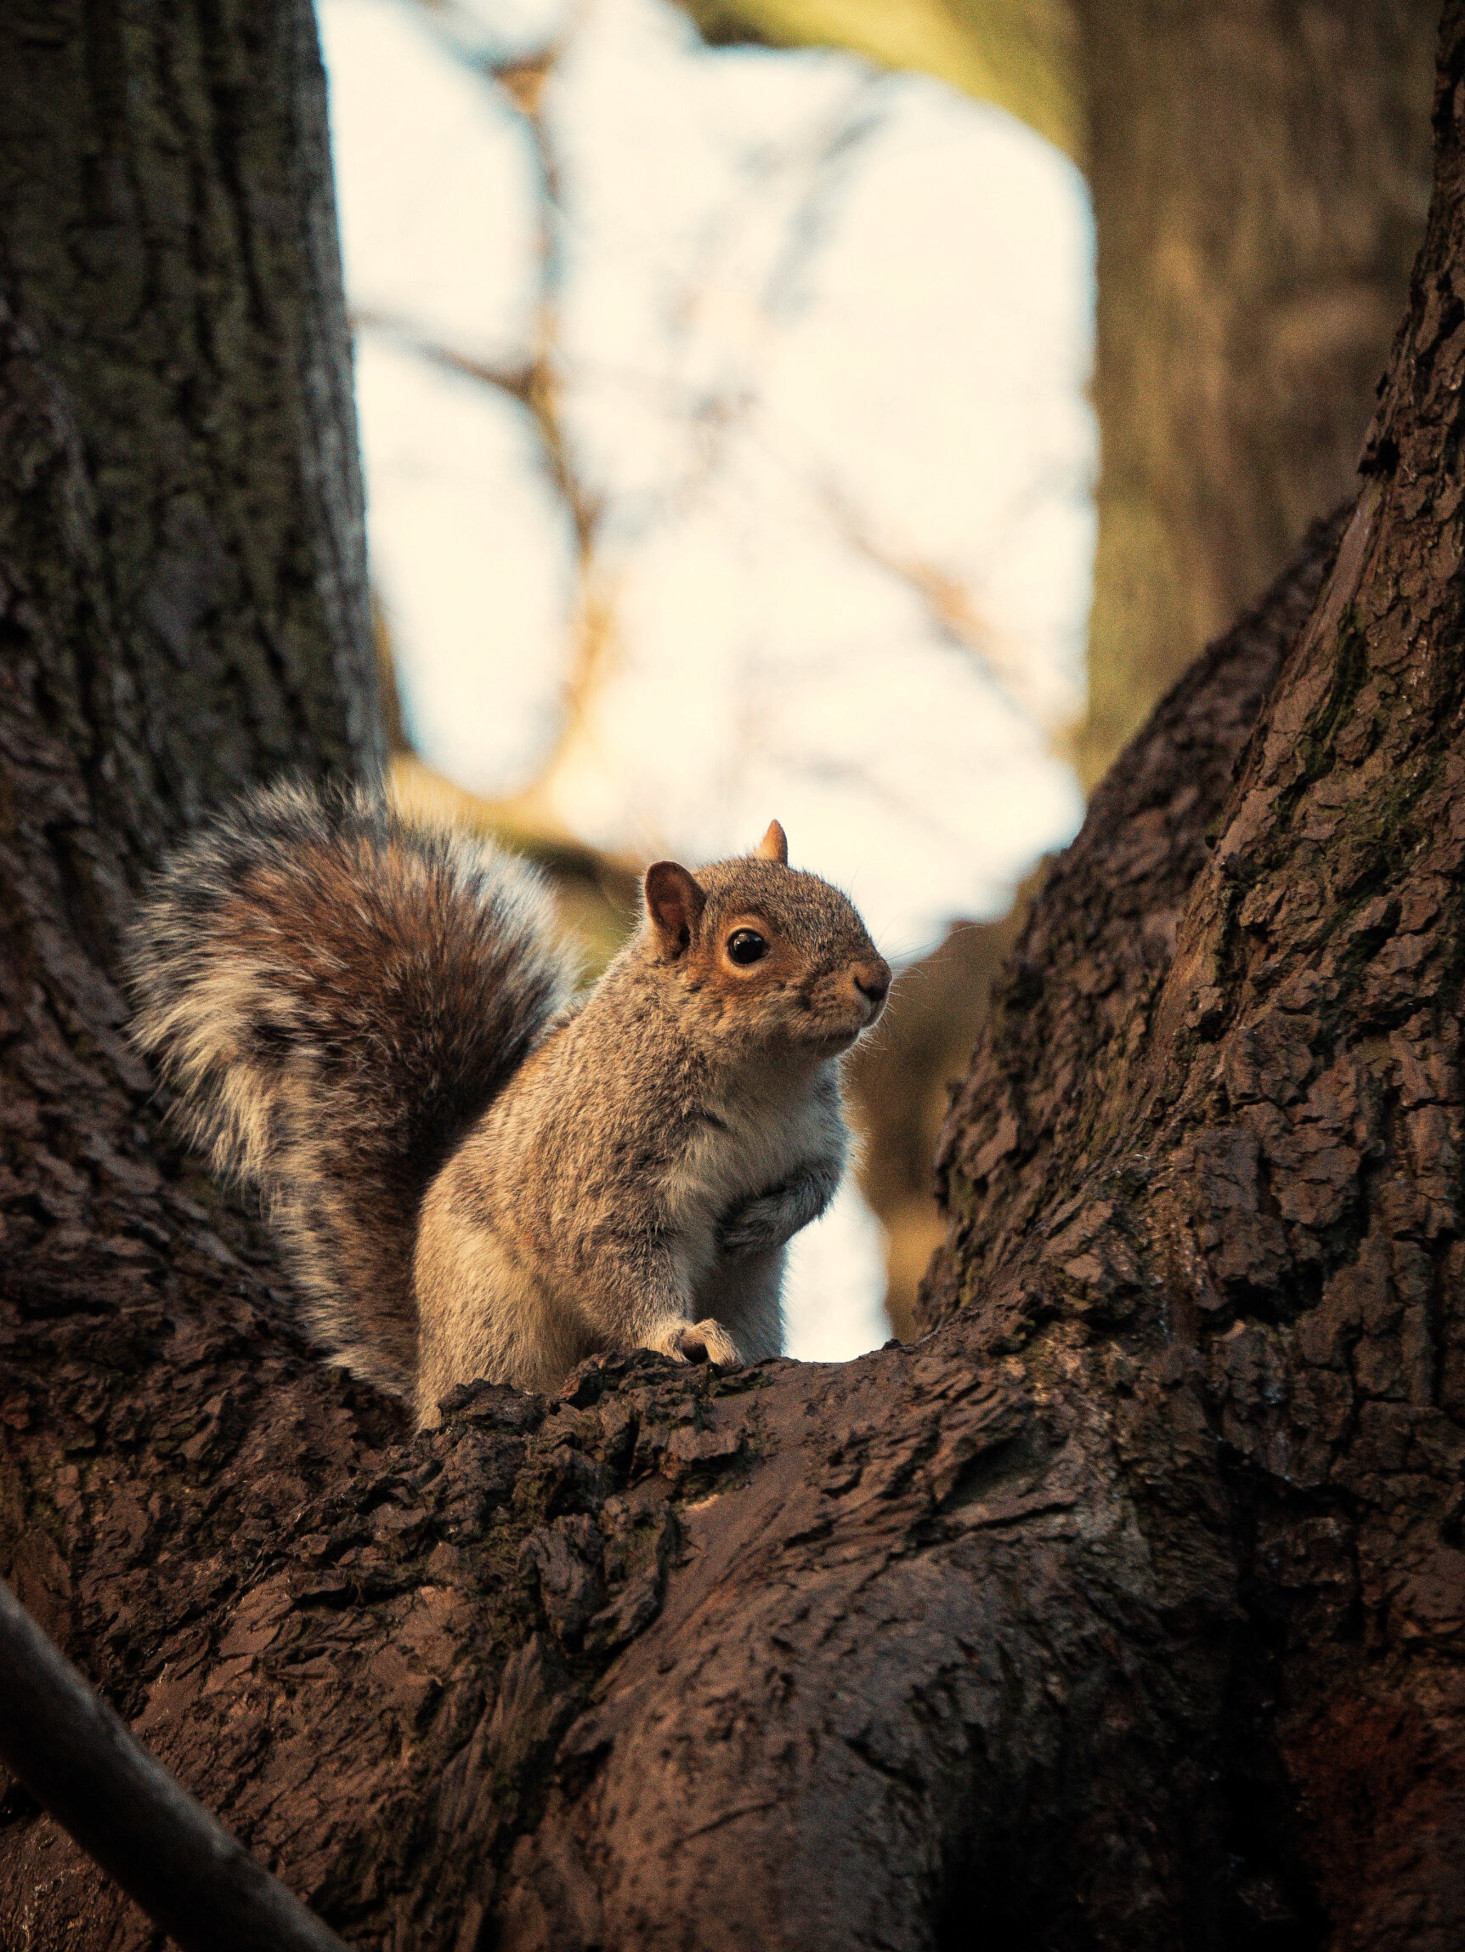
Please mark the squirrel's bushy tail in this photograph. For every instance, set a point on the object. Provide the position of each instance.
(334, 996)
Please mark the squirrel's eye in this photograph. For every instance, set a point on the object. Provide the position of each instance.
(746, 945)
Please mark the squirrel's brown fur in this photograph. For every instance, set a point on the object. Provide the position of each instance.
(369, 1022)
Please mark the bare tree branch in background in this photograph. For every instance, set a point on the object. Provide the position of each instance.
(823, 157)
(949, 606)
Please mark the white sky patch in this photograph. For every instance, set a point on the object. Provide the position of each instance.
(502, 30)
(435, 183)
(915, 812)
(812, 319)
(834, 1291)
(459, 564)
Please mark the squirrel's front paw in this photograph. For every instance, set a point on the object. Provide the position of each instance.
(705, 1341)
(754, 1228)
(708, 1341)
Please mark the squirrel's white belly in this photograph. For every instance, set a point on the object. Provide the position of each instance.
(727, 1168)
(732, 1162)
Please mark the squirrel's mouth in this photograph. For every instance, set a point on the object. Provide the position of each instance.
(833, 1034)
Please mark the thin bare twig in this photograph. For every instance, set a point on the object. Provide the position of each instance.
(947, 603)
(141, 1825)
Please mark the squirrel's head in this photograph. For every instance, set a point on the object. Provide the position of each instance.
(768, 955)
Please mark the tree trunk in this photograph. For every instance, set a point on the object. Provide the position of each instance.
(1259, 176)
(1124, 1609)
(182, 609)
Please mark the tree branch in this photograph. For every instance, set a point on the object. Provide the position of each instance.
(80, 1761)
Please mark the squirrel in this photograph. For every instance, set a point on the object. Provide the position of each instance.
(473, 1174)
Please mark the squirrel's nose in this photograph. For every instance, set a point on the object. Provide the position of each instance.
(872, 980)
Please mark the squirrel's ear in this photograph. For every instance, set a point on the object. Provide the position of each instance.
(773, 846)
(674, 901)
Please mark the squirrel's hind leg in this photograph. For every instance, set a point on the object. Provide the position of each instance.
(483, 1315)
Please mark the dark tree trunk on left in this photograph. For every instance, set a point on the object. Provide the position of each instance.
(182, 610)
(182, 512)
(182, 576)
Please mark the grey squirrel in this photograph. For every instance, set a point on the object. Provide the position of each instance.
(473, 1175)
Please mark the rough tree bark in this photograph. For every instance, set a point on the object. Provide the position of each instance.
(1125, 1609)
(182, 609)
